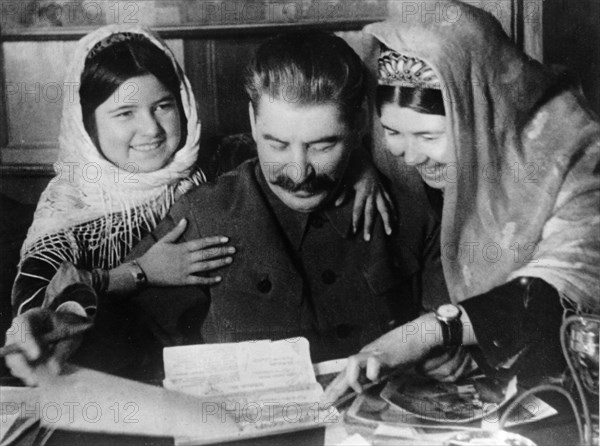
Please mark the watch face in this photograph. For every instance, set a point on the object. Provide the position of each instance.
(448, 311)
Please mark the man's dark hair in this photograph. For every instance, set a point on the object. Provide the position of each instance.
(308, 68)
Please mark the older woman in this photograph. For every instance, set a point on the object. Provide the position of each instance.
(510, 154)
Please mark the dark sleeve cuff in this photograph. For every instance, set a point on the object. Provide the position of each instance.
(517, 324)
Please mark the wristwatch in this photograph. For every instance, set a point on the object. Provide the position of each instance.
(452, 330)
(138, 274)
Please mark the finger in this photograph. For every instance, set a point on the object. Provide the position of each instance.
(52, 367)
(210, 265)
(200, 280)
(211, 253)
(342, 197)
(369, 210)
(335, 389)
(202, 243)
(353, 369)
(357, 210)
(30, 348)
(385, 215)
(390, 204)
(442, 367)
(173, 235)
(20, 368)
(373, 367)
(435, 362)
(458, 371)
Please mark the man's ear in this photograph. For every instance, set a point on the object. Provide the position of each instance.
(252, 117)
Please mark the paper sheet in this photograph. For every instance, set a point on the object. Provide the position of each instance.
(267, 387)
(217, 369)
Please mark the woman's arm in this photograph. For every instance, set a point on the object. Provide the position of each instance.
(516, 325)
(401, 347)
(37, 270)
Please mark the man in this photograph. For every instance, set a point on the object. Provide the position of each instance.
(298, 270)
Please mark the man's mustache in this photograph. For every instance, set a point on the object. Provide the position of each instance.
(312, 184)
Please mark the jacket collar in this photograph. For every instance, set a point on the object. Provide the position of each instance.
(294, 224)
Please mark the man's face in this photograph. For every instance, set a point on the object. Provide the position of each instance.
(303, 150)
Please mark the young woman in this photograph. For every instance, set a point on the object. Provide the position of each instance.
(510, 152)
(128, 145)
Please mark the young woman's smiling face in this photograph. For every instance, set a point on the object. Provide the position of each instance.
(139, 125)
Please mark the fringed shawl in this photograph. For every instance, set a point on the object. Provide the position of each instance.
(523, 198)
(92, 209)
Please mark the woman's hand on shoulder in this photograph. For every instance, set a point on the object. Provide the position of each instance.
(371, 197)
(169, 263)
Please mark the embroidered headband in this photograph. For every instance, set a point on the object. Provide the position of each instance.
(399, 70)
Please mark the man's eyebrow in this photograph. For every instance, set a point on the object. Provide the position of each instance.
(270, 137)
(429, 132)
(326, 139)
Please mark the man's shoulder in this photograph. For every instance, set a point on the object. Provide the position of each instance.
(230, 189)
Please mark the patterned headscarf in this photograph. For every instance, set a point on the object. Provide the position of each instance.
(88, 187)
(523, 198)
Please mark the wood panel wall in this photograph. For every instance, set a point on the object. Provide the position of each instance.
(33, 61)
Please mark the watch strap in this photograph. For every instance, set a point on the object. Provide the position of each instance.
(454, 332)
(138, 274)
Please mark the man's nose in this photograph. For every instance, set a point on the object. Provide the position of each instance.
(300, 164)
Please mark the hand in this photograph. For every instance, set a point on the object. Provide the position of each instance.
(447, 365)
(402, 347)
(370, 194)
(169, 263)
(370, 362)
(37, 357)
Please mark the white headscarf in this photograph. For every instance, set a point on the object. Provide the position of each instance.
(88, 187)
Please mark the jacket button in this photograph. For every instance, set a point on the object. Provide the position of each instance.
(343, 331)
(264, 286)
(328, 277)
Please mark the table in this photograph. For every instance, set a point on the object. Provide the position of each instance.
(557, 430)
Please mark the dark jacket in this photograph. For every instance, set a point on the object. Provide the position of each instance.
(293, 274)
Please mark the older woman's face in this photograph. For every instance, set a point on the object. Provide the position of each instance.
(420, 139)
